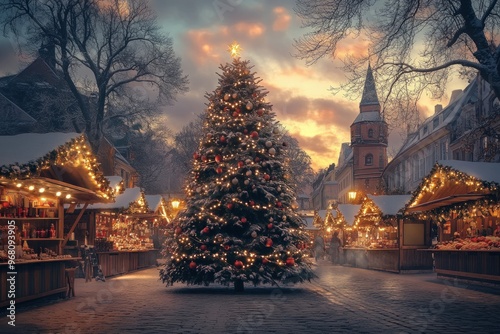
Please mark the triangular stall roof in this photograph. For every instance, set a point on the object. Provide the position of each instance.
(349, 212)
(122, 201)
(376, 208)
(61, 163)
(453, 181)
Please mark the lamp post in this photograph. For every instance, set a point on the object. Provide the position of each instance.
(352, 196)
(175, 204)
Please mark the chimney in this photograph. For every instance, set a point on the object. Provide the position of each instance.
(438, 108)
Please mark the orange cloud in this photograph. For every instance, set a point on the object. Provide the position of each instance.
(353, 45)
(251, 29)
(282, 19)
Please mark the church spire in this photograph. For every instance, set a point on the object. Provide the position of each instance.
(369, 97)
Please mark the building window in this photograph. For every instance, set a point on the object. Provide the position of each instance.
(435, 122)
(370, 133)
(369, 160)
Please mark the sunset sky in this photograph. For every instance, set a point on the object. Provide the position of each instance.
(202, 30)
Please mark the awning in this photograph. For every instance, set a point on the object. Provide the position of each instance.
(445, 201)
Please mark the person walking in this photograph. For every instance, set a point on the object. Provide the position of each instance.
(319, 247)
(335, 248)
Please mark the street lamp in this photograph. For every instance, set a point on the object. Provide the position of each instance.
(175, 204)
(352, 196)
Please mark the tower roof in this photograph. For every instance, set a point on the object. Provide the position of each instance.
(369, 91)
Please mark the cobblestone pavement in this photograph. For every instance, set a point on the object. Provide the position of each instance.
(341, 300)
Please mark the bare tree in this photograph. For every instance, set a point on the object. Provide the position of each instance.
(117, 42)
(300, 163)
(414, 46)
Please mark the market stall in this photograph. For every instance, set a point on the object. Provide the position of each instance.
(461, 200)
(382, 239)
(39, 174)
(122, 233)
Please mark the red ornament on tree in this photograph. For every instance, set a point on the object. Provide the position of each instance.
(230, 206)
(279, 204)
(251, 203)
(219, 170)
(226, 247)
(178, 230)
(222, 139)
(243, 220)
(290, 261)
(257, 159)
(269, 242)
(267, 177)
(236, 114)
(203, 247)
(206, 230)
(254, 134)
(265, 260)
(196, 156)
(270, 225)
(260, 112)
(238, 264)
(192, 265)
(218, 158)
(226, 109)
(241, 164)
(204, 158)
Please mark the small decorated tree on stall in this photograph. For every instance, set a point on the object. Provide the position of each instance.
(240, 224)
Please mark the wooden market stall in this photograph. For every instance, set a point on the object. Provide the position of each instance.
(384, 240)
(461, 199)
(121, 233)
(39, 174)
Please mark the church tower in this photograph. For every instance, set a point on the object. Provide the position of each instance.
(369, 141)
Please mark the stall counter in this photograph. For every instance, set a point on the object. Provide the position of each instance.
(35, 279)
(121, 262)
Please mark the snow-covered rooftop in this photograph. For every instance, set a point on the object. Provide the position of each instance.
(153, 201)
(390, 204)
(349, 211)
(114, 180)
(28, 147)
(309, 223)
(121, 201)
(484, 171)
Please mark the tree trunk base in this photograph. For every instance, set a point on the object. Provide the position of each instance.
(238, 286)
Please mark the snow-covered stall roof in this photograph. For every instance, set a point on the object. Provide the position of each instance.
(122, 201)
(61, 163)
(452, 181)
(27, 147)
(114, 180)
(390, 205)
(484, 171)
(154, 202)
(349, 211)
(309, 221)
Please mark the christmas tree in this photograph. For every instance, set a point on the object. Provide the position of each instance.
(240, 223)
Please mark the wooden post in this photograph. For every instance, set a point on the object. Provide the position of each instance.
(74, 225)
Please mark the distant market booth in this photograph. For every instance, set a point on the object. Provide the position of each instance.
(382, 238)
(461, 201)
(122, 233)
(39, 174)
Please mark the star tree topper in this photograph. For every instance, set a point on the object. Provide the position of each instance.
(234, 49)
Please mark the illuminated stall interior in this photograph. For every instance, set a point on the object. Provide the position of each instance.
(39, 173)
(124, 224)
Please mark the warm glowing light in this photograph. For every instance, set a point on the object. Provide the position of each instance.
(31, 187)
(352, 195)
(19, 185)
(175, 204)
(58, 193)
(235, 49)
(68, 196)
(41, 190)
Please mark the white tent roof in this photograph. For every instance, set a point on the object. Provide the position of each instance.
(484, 171)
(153, 201)
(390, 204)
(114, 180)
(122, 201)
(309, 223)
(322, 214)
(349, 211)
(28, 147)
